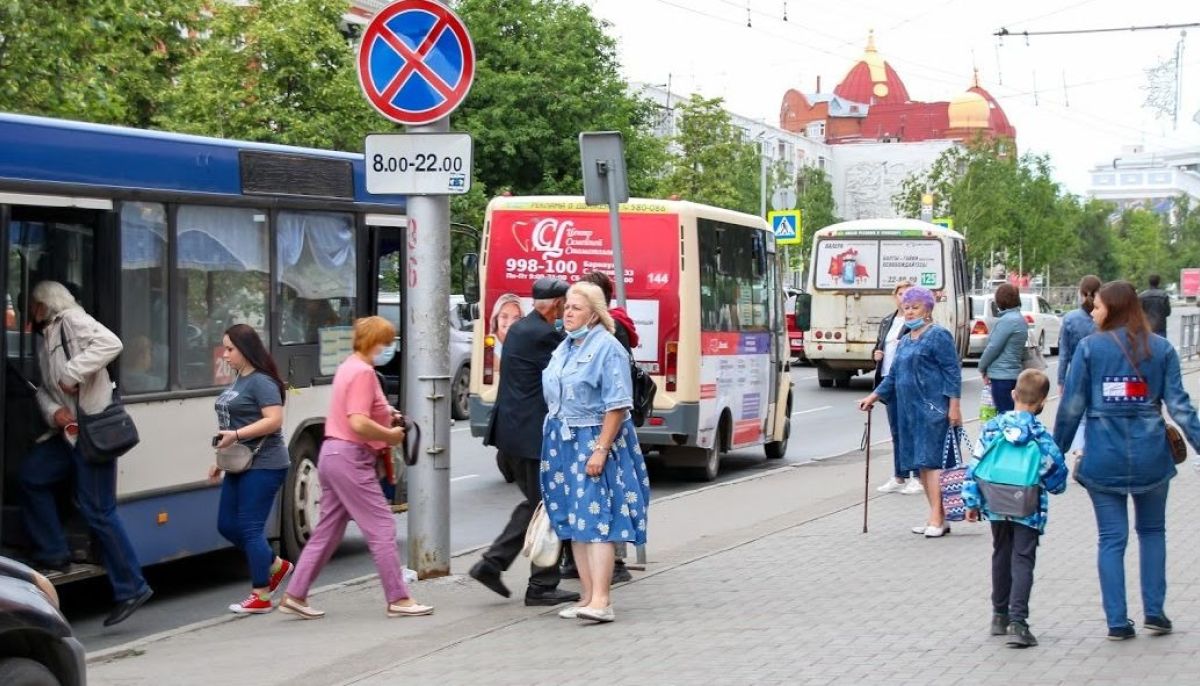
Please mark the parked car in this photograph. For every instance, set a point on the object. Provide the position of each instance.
(37, 646)
(1045, 323)
(460, 349)
(795, 335)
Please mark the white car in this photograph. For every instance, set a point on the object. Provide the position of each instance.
(1045, 323)
(460, 350)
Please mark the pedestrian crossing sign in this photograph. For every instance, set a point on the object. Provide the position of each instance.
(787, 227)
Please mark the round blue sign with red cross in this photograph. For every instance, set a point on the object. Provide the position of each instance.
(416, 62)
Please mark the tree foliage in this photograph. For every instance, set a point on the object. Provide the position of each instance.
(105, 61)
(714, 163)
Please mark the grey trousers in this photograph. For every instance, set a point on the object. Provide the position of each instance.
(1014, 552)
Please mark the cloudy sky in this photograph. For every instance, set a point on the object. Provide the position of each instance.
(1078, 98)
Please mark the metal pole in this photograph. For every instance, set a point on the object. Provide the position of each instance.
(614, 225)
(762, 163)
(427, 375)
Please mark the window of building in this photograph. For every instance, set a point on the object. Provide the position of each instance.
(317, 281)
(223, 267)
(144, 297)
(735, 289)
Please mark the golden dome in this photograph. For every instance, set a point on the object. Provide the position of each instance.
(969, 111)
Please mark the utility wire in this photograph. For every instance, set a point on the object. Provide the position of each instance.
(1003, 32)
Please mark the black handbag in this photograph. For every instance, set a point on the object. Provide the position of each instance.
(644, 390)
(108, 434)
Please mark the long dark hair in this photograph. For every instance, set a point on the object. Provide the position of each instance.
(1124, 309)
(246, 340)
(1088, 287)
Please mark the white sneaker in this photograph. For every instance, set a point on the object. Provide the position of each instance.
(890, 486)
(912, 487)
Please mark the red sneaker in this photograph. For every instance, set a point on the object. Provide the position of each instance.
(252, 605)
(277, 579)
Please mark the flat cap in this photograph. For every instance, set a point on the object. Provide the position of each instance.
(549, 287)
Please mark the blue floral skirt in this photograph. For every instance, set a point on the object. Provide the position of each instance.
(606, 508)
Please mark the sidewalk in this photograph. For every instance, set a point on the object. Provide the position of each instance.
(770, 581)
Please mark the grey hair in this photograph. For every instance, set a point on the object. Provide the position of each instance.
(595, 297)
(54, 296)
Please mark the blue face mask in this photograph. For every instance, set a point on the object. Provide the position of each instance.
(914, 324)
(558, 324)
(578, 333)
(386, 355)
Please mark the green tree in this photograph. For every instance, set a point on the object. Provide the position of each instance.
(1141, 247)
(106, 61)
(814, 194)
(714, 164)
(277, 71)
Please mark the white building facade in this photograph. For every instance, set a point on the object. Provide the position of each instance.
(1147, 180)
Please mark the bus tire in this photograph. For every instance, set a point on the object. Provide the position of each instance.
(301, 496)
(843, 380)
(710, 466)
(825, 383)
(22, 671)
(777, 450)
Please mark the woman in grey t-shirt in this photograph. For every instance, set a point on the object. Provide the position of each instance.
(250, 412)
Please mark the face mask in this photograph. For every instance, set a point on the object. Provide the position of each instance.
(578, 333)
(558, 324)
(384, 356)
(914, 324)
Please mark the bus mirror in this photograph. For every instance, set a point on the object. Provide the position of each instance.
(470, 277)
(803, 311)
(467, 312)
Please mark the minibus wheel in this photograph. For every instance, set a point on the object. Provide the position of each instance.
(301, 496)
(777, 450)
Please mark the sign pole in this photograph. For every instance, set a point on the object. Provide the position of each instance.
(614, 225)
(426, 354)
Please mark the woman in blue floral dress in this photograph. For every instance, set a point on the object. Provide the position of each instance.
(925, 384)
(594, 482)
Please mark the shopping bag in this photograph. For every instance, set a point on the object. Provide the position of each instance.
(954, 472)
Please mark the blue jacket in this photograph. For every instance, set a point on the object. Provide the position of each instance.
(1018, 428)
(1076, 326)
(1002, 358)
(584, 381)
(1126, 440)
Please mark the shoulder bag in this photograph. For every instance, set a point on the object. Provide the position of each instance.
(237, 458)
(108, 434)
(644, 389)
(542, 546)
(954, 472)
(1178, 446)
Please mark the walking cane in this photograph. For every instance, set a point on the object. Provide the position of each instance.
(866, 446)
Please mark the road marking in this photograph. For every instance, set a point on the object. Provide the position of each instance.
(464, 477)
(815, 409)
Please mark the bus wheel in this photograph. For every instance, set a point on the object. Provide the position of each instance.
(825, 376)
(301, 496)
(842, 380)
(27, 672)
(777, 450)
(710, 466)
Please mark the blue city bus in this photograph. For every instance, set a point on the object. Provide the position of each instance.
(168, 240)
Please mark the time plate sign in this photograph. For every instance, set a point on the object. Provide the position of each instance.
(418, 163)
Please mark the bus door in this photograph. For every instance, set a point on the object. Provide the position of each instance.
(387, 274)
(960, 301)
(770, 267)
(46, 238)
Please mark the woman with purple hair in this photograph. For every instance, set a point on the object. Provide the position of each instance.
(924, 386)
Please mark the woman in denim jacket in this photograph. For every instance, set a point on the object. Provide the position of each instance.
(1076, 326)
(1119, 378)
(594, 481)
(1002, 359)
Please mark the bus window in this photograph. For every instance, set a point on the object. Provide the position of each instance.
(223, 275)
(317, 276)
(144, 297)
(735, 290)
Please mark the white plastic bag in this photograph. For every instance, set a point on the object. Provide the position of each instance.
(542, 546)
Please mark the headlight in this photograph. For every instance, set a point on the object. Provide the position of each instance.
(46, 588)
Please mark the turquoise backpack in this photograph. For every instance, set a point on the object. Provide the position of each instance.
(1009, 478)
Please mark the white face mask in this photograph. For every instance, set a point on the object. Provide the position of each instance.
(384, 356)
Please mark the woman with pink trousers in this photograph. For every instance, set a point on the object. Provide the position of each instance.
(358, 433)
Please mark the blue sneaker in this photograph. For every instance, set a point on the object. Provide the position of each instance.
(1158, 626)
(1122, 633)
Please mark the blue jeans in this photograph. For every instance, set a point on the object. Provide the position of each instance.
(51, 463)
(1002, 394)
(246, 501)
(1112, 520)
(892, 424)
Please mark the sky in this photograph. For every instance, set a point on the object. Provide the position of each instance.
(1078, 98)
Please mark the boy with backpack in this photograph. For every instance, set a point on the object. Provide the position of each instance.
(1016, 463)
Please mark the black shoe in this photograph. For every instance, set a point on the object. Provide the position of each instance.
(1019, 635)
(127, 607)
(568, 572)
(489, 576)
(1158, 626)
(52, 568)
(546, 597)
(1122, 633)
(621, 572)
(999, 624)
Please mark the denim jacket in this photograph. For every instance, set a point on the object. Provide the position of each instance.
(1018, 428)
(1076, 326)
(583, 382)
(1126, 442)
(1005, 351)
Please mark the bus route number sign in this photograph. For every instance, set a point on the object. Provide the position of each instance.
(418, 163)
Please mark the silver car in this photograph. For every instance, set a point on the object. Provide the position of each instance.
(460, 349)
